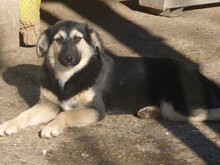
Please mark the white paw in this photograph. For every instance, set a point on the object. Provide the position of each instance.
(8, 128)
(51, 130)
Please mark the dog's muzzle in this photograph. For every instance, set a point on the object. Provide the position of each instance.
(69, 59)
(69, 55)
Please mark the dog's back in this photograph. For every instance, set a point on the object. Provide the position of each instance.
(138, 82)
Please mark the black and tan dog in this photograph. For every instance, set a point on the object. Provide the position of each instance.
(80, 83)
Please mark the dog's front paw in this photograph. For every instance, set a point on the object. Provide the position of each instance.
(8, 128)
(51, 130)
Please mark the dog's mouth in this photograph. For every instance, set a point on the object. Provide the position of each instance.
(69, 60)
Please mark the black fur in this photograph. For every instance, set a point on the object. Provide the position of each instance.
(141, 82)
(79, 82)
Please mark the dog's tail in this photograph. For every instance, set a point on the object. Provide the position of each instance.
(209, 111)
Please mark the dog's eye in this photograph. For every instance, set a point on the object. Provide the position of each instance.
(77, 39)
(59, 40)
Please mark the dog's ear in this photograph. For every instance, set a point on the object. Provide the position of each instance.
(96, 41)
(42, 44)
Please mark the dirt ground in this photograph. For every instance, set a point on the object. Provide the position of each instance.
(127, 30)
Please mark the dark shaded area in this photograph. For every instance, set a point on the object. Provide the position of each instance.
(21, 40)
(27, 79)
(202, 6)
(214, 126)
(134, 5)
(193, 138)
(47, 17)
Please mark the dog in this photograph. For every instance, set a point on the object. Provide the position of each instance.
(80, 83)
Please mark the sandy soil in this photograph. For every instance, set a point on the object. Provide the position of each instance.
(127, 30)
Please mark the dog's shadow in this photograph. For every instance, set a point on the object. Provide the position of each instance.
(27, 80)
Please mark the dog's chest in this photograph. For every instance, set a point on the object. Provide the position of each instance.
(81, 99)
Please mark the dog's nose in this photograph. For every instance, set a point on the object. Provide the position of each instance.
(68, 58)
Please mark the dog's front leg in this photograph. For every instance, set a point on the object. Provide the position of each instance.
(42, 112)
(78, 117)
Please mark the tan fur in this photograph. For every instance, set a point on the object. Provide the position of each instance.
(46, 111)
(75, 33)
(59, 34)
(40, 113)
(53, 54)
(83, 98)
(75, 118)
(42, 43)
(96, 42)
(49, 96)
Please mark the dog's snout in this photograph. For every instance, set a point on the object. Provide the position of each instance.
(68, 58)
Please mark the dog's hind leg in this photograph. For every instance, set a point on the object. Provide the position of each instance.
(78, 117)
(149, 112)
(40, 113)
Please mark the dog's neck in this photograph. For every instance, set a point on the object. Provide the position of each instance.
(64, 73)
(67, 84)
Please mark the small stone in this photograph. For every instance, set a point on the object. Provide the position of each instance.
(84, 155)
(44, 152)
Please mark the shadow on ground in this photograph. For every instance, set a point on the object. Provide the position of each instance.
(27, 79)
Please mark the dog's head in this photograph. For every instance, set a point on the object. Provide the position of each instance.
(69, 42)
